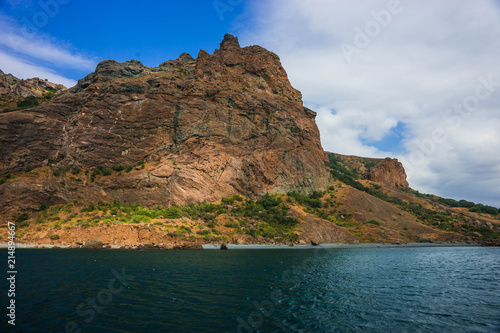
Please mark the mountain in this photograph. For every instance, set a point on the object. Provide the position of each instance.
(217, 148)
(204, 128)
(18, 94)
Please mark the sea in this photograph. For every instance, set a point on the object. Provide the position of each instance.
(400, 289)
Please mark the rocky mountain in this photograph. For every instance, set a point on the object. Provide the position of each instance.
(14, 90)
(388, 171)
(196, 129)
(217, 148)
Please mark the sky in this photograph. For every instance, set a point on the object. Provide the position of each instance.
(413, 80)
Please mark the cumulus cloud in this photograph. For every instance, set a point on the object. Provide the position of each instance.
(26, 53)
(370, 67)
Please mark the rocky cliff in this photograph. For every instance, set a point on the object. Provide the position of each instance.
(193, 129)
(389, 172)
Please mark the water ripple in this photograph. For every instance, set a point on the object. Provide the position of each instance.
(336, 290)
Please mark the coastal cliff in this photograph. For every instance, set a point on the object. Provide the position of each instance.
(221, 124)
(213, 149)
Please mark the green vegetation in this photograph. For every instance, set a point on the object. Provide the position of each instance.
(369, 163)
(473, 207)
(28, 102)
(23, 217)
(60, 171)
(44, 206)
(440, 219)
(232, 225)
(48, 95)
(311, 201)
(100, 170)
(4, 178)
(118, 168)
(265, 218)
(342, 173)
(424, 240)
(231, 200)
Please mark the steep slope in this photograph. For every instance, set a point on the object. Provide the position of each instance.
(132, 154)
(193, 129)
(362, 212)
(375, 191)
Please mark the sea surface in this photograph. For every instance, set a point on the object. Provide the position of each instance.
(454, 289)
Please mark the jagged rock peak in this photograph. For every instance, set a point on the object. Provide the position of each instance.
(12, 88)
(229, 42)
(185, 58)
(220, 124)
(113, 68)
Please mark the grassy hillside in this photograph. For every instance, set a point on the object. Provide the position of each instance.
(475, 221)
(352, 210)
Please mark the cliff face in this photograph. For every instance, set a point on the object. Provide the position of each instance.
(207, 127)
(389, 172)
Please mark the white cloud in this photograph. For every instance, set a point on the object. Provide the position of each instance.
(28, 54)
(24, 70)
(44, 50)
(425, 58)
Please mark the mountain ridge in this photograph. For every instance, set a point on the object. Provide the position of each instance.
(221, 124)
(217, 148)
(18, 94)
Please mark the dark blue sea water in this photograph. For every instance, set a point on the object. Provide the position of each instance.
(335, 290)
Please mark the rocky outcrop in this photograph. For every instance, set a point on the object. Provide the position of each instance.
(389, 172)
(208, 127)
(95, 243)
(14, 88)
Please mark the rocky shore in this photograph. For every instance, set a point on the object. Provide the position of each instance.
(186, 247)
(96, 244)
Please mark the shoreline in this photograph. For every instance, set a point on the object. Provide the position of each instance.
(210, 247)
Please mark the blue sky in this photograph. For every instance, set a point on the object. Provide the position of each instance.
(149, 31)
(414, 80)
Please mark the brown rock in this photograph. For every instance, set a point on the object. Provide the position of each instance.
(389, 172)
(231, 122)
(163, 171)
(12, 89)
(148, 247)
(188, 247)
(95, 243)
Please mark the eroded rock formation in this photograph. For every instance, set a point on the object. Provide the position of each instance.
(389, 172)
(208, 127)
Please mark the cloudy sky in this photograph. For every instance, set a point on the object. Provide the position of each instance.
(415, 80)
